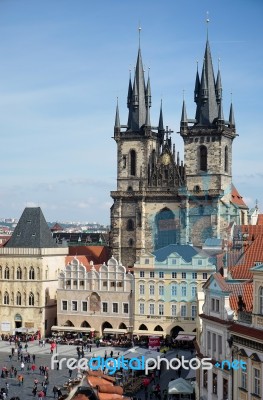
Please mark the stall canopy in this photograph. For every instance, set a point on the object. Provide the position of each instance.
(71, 329)
(185, 338)
(25, 330)
(180, 386)
(148, 333)
(139, 352)
(112, 330)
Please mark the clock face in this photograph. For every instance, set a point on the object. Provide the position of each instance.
(166, 159)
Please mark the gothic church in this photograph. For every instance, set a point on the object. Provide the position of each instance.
(159, 199)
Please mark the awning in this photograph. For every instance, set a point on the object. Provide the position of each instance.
(25, 330)
(71, 329)
(112, 330)
(149, 333)
(185, 338)
(180, 386)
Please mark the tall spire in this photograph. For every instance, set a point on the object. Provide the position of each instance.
(184, 122)
(218, 85)
(117, 124)
(129, 97)
(160, 125)
(148, 92)
(232, 117)
(197, 85)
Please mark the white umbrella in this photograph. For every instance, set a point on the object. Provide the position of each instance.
(180, 386)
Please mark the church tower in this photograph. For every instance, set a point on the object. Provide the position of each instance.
(148, 177)
(208, 198)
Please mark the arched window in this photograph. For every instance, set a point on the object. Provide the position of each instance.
(31, 273)
(31, 299)
(226, 159)
(130, 225)
(133, 162)
(6, 298)
(18, 299)
(19, 273)
(166, 229)
(7, 273)
(1, 272)
(260, 300)
(203, 158)
(130, 242)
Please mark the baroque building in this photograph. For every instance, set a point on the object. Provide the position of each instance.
(159, 199)
(29, 265)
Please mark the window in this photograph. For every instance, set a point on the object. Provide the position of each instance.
(18, 299)
(174, 290)
(130, 242)
(64, 305)
(6, 298)
(214, 341)
(183, 311)
(115, 307)
(141, 289)
(74, 305)
(81, 283)
(18, 273)
(141, 274)
(194, 291)
(141, 308)
(173, 261)
(215, 305)
(104, 283)
(31, 274)
(219, 339)
(119, 284)
(205, 378)
(151, 309)
(200, 262)
(256, 381)
(125, 308)
(261, 300)
(193, 311)
(173, 310)
(244, 379)
(151, 290)
(209, 340)
(215, 383)
(194, 275)
(130, 225)
(104, 307)
(183, 275)
(161, 290)
(205, 275)
(31, 299)
(85, 306)
(183, 291)
(7, 273)
(161, 309)
(174, 275)
(147, 261)
(133, 162)
(151, 274)
(161, 274)
(112, 284)
(203, 158)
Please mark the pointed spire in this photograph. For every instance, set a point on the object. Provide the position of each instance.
(148, 121)
(218, 85)
(197, 85)
(148, 94)
(135, 97)
(232, 117)
(220, 120)
(204, 91)
(117, 124)
(129, 97)
(160, 125)
(184, 122)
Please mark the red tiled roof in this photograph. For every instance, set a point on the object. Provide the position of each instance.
(214, 319)
(260, 219)
(252, 231)
(247, 331)
(97, 254)
(252, 255)
(56, 227)
(83, 260)
(241, 289)
(237, 199)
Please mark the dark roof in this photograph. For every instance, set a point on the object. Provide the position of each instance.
(247, 331)
(185, 251)
(32, 231)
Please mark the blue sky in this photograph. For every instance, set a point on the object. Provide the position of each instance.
(63, 63)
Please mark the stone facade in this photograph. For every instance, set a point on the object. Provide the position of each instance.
(159, 199)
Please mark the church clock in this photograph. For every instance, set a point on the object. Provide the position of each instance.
(166, 159)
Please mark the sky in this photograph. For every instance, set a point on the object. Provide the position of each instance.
(63, 63)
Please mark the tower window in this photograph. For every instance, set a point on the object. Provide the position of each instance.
(133, 162)
(130, 225)
(226, 159)
(130, 242)
(203, 158)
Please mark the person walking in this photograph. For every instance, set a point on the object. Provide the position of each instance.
(34, 391)
(55, 391)
(22, 366)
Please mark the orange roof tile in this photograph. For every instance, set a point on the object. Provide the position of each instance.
(260, 219)
(237, 199)
(97, 254)
(241, 289)
(83, 260)
(252, 255)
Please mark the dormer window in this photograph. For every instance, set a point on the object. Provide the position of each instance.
(215, 305)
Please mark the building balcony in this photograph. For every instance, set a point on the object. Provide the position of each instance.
(244, 317)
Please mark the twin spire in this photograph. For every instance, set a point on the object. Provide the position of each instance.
(208, 98)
